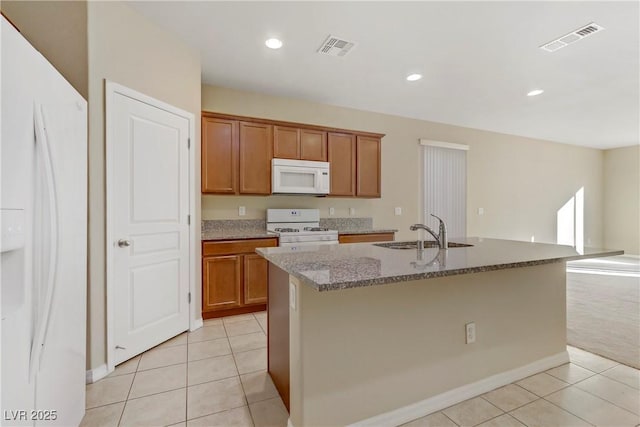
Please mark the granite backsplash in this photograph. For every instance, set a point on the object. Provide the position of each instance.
(339, 224)
(352, 224)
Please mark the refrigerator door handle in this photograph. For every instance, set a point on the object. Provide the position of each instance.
(44, 149)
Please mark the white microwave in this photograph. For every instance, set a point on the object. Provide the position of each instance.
(299, 177)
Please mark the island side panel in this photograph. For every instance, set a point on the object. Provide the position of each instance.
(397, 344)
(278, 330)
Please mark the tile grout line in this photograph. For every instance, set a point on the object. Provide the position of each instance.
(490, 403)
(446, 416)
(607, 400)
(186, 382)
(613, 379)
(259, 324)
(566, 410)
(129, 392)
(217, 412)
(244, 393)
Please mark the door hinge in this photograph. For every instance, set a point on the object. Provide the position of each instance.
(188, 219)
(188, 143)
(189, 297)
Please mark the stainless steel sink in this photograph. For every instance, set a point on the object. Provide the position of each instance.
(414, 245)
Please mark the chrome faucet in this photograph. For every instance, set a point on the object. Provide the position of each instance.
(441, 237)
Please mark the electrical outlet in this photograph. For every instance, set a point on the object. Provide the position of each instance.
(242, 211)
(332, 211)
(398, 211)
(470, 335)
(352, 211)
(480, 211)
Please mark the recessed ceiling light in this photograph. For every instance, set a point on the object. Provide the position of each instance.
(414, 77)
(273, 43)
(535, 92)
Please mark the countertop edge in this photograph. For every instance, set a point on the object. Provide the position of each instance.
(368, 231)
(435, 274)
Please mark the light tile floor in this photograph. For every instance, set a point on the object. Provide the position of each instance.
(216, 376)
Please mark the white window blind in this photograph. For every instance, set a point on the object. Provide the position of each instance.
(444, 184)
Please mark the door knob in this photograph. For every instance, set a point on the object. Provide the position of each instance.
(124, 243)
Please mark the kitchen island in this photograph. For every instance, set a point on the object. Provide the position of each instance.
(367, 335)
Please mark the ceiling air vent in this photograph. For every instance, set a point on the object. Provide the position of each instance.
(335, 46)
(572, 37)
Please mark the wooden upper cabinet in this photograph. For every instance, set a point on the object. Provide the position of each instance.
(301, 144)
(341, 149)
(237, 153)
(313, 145)
(219, 156)
(368, 169)
(256, 152)
(286, 142)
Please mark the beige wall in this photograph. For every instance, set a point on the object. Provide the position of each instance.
(622, 199)
(58, 29)
(520, 182)
(126, 48)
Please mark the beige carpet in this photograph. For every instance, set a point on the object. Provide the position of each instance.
(603, 309)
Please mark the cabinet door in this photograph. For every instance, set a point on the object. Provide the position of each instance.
(286, 142)
(221, 281)
(256, 142)
(341, 149)
(219, 156)
(313, 145)
(368, 155)
(256, 278)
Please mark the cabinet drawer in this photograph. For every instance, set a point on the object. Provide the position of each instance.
(363, 238)
(232, 247)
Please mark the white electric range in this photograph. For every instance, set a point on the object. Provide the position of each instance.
(299, 227)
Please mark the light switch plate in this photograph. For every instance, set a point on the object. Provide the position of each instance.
(480, 211)
(398, 211)
(332, 211)
(292, 296)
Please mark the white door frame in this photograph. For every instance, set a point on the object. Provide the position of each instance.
(111, 89)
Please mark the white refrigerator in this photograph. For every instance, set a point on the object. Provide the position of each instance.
(43, 154)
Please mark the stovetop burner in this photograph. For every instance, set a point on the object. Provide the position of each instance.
(316, 229)
(286, 230)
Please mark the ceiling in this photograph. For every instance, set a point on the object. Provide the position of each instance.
(479, 59)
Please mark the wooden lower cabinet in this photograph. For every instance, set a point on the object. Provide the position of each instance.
(234, 277)
(364, 238)
(222, 278)
(256, 278)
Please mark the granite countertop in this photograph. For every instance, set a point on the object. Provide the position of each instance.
(334, 267)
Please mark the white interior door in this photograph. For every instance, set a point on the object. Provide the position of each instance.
(149, 208)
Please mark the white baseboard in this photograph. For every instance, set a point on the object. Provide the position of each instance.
(96, 374)
(197, 324)
(444, 400)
